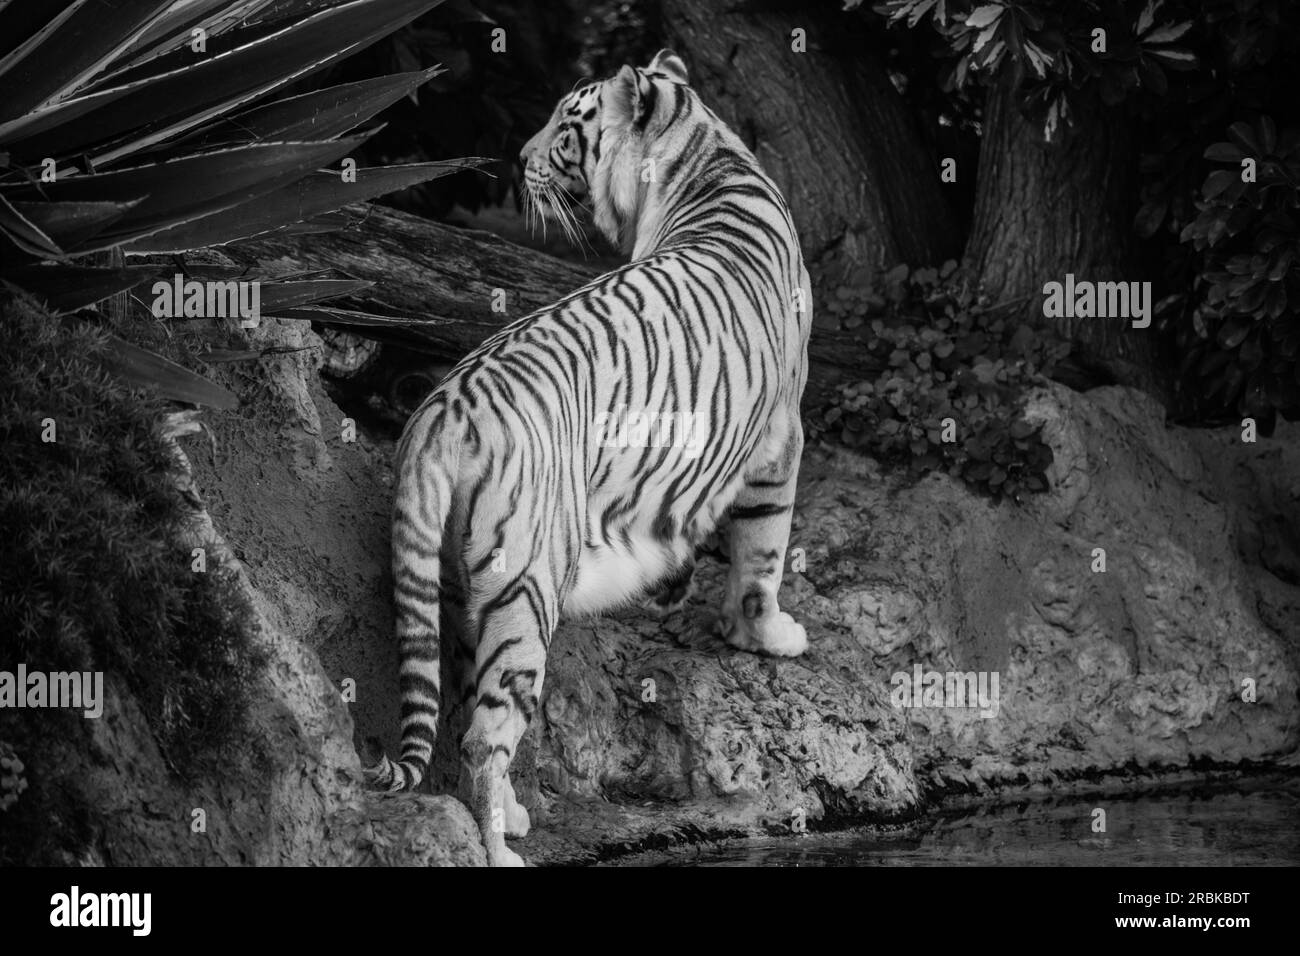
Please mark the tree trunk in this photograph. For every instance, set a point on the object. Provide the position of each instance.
(450, 279)
(1043, 210)
(464, 284)
(831, 131)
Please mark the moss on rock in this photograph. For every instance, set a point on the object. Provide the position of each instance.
(92, 574)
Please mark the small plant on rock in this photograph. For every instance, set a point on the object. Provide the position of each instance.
(952, 378)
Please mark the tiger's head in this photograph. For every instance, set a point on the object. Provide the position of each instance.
(603, 145)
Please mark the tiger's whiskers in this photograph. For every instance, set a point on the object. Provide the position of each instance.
(566, 206)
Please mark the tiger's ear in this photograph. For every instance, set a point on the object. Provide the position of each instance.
(634, 97)
(670, 65)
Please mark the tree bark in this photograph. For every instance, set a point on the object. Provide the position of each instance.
(1043, 210)
(831, 131)
(450, 279)
(464, 284)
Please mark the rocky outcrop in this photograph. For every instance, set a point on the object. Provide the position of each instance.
(1145, 664)
(654, 732)
(293, 794)
(275, 472)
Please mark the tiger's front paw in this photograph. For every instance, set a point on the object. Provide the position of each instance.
(777, 634)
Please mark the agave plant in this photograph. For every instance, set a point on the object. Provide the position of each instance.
(140, 127)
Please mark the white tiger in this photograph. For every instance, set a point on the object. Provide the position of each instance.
(508, 459)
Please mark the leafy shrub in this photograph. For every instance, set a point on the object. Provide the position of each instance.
(1178, 74)
(1050, 47)
(12, 781)
(1237, 331)
(941, 356)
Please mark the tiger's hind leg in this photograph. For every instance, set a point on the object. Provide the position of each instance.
(514, 817)
(759, 532)
(672, 593)
(517, 821)
(510, 663)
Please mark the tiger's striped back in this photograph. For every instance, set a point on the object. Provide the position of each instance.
(519, 496)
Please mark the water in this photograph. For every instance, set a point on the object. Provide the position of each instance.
(1250, 824)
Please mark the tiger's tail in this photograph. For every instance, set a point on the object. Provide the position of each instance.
(428, 464)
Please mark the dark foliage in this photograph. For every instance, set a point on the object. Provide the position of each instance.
(1237, 330)
(1208, 82)
(955, 375)
(91, 578)
(506, 65)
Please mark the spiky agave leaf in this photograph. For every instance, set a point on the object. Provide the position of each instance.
(310, 196)
(145, 125)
